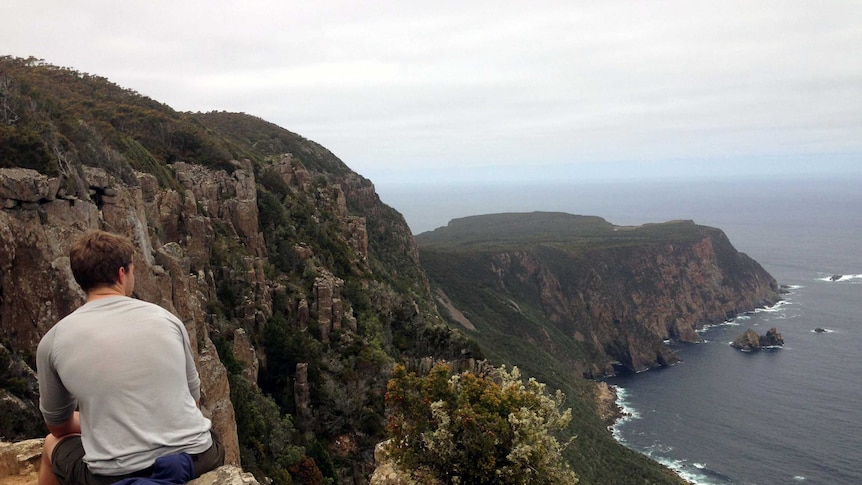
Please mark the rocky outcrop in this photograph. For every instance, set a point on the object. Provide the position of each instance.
(389, 473)
(226, 475)
(19, 462)
(329, 308)
(173, 234)
(245, 353)
(750, 340)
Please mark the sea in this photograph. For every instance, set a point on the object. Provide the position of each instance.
(722, 416)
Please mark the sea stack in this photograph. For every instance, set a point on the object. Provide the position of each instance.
(749, 340)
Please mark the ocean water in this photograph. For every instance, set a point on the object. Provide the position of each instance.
(783, 416)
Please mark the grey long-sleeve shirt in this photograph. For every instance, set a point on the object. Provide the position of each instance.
(127, 365)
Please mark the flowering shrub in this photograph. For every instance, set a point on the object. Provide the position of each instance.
(466, 429)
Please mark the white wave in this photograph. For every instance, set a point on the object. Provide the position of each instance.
(726, 323)
(840, 278)
(799, 478)
(690, 473)
(625, 405)
(628, 413)
(735, 321)
(660, 448)
(774, 308)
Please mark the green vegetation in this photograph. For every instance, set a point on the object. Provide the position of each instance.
(475, 430)
(572, 233)
(55, 118)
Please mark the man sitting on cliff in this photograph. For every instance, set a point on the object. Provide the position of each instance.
(127, 366)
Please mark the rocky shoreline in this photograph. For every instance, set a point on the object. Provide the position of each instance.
(607, 406)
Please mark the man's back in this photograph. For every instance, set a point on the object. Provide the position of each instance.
(128, 363)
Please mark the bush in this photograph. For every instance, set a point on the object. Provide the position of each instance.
(468, 429)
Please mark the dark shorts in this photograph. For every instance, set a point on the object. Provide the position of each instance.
(68, 465)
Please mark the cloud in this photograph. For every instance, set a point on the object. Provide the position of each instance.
(396, 87)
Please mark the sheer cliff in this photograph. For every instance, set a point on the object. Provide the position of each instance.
(579, 290)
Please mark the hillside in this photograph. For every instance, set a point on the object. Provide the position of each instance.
(299, 288)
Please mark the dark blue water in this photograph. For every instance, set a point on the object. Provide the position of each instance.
(792, 415)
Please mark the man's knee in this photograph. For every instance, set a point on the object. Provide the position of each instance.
(48, 448)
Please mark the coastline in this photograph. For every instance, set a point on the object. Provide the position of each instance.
(607, 405)
(626, 413)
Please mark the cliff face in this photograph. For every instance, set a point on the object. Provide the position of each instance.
(601, 306)
(192, 244)
(172, 232)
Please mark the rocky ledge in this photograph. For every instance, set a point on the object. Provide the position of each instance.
(750, 340)
(19, 465)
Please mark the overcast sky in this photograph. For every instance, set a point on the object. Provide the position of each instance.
(460, 91)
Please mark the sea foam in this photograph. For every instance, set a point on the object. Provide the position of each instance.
(840, 278)
(628, 412)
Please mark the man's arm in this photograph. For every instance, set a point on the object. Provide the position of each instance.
(56, 403)
(71, 426)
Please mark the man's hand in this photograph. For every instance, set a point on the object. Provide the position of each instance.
(71, 426)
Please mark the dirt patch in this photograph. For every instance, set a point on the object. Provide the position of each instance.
(454, 312)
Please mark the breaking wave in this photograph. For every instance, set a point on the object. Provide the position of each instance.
(840, 278)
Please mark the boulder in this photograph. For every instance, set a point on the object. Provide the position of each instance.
(19, 462)
(747, 341)
(820, 330)
(226, 475)
(771, 339)
(750, 340)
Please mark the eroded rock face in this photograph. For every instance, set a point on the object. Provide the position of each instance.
(329, 306)
(173, 234)
(670, 291)
(19, 462)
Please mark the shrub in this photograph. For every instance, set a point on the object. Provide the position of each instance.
(469, 429)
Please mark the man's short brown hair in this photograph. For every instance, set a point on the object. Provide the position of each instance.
(97, 256)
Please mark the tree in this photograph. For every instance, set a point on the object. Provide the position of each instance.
(469, 429)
